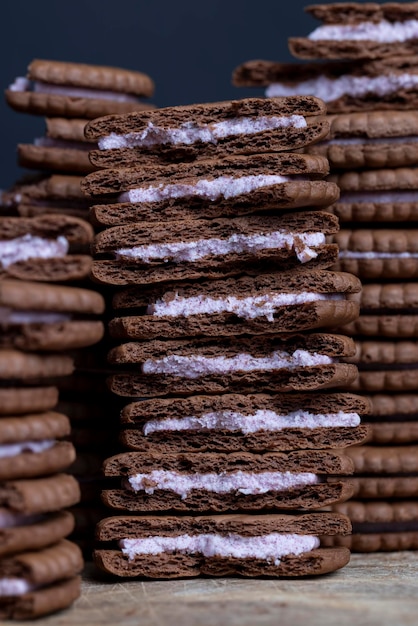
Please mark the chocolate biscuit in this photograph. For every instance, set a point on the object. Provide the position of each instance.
(270, 303)
(194, 132)
(78, 90)
(149, 253)
(157, 482)
(290, 78)
(232, 376)
(205, 424)
(47, 577)
(194, 562)
(359, 31)
(117, 180)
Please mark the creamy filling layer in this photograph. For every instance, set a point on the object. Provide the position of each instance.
(191, 132)
(381, 32)
(379, 197)
(195, 366)
(249, 307)
(12, 586)
(261, 420)
(13, 449)
(271, 547)
(221, 187)
(9, 519)
(12, 316)
(247, 483)
(24, 84)
(350, 254)
(31, 247)
(365, 141)
(330, 89)
(179, 251)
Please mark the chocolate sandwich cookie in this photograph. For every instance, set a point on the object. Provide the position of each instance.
(269, 303)
(21, 400)
(20, 533)
(31, 445)
(384, 195)
(56, 88)
(223, 545)
(386, 310)
(378, 254)
(36, 496)
(244, 365)
(40, 582)
(394, 418)
(203, 131)
(63, 149)
(378, 526)
(16, 365)
(56, 193)
(357, 30)
(248, 423)
(147, 253)
(36, 316)
(381, 84)
(384, 460)
(229, 187)
(385, 365)
(217, 482)
(375, 139)
(44, 248)
(384, 487)
(210, 179)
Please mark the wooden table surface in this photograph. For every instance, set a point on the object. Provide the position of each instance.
(375, 590)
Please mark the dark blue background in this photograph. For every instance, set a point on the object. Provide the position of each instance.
(189, 47)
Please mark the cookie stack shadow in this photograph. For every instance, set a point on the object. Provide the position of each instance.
(213, 239)
(368, 75)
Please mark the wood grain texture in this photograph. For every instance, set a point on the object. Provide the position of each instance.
(373, 590)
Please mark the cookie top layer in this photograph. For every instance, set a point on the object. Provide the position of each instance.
(91, 76)
(25, 295)
(120, 527)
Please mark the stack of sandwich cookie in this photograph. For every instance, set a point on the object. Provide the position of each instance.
(214, 240)
(47, 234)
(372, 149)
(39, 569)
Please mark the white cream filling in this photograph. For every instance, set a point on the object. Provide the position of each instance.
(13, 449)
(271, 547)
(31, 247)
(191, 132)
(179, 251)
(247, 483)
(223, 186)
(250, 307)
(365, 141)
(330, 89)
(380, 197)
(261, 420)
(24, 84)
(349, 254)
(12, 586)
(381, 32)
(11, 316)
(9, 519)
(195, 366)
